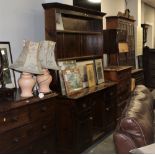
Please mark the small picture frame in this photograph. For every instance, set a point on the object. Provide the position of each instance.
(99, 70)
(72, 79)
(82, 67)
(59, 22)
(7, 76)
(65, 65)
(90, 75)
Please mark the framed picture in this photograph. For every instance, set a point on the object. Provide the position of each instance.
(7, 76)
(72, 79)
(90, 74)
(82, 67)
(64, 65)
(99, 70)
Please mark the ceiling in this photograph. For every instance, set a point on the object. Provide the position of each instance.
(150, 2)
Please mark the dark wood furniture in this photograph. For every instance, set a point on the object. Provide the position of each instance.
(112, 38)
(27, 125)
(123, 23)
(138, 75)
(149, 67)
(81, 119)
(85, 117)
(121, 75)
(145, 31)
(82, 34)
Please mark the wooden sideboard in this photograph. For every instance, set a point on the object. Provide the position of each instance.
(57, 124)
(27, 125)
(85, 117)
(121, 75)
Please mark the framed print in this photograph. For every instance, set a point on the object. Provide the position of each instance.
(99, 70)
(82, 67)
(7, 76)
(90, 74)
(64, 65)
(72, 79)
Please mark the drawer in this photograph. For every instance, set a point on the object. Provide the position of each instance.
(124, 85)
(83, 104)
(120, 108)
(42, 128)
(14, 139)
(42, 109)
(123, 96)
(124, 74)
(14, 118)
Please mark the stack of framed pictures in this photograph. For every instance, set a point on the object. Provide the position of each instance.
(77, 75)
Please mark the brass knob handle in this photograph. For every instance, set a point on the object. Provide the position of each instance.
(44, 127)
(15, 119)
(43, 109)
(91, 118)
(16, 140)
(84, 105)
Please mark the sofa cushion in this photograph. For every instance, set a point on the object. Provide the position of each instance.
(135, 127)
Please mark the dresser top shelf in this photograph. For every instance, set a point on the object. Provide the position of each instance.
(73, 8)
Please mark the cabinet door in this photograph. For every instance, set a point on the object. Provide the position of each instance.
(84, 123)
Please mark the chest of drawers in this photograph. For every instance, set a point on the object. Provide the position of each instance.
(121, 75)
(27, 124)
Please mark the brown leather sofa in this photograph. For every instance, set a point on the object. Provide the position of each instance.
(135, 128)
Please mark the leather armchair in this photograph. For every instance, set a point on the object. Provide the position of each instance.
(135, 128)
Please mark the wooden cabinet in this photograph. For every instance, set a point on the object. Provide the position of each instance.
(122, 75)
(149, 67)
(81, 34)
(138, 75)
(122, 23)
(27, 125)
(82, 118)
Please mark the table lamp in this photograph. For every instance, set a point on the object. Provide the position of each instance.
(28, 63)
(47, 59)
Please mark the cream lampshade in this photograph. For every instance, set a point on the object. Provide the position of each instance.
(47, 59)
(27, 63)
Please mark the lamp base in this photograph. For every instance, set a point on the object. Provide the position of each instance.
(26, 83)
(44, 81)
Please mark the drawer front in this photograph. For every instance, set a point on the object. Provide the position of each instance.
(120, 108)
(110, 97)
(125, 74)
(83, 104)
(14, 139)
(42, 109)
(123, 86)
(14, 118)
(42, 128)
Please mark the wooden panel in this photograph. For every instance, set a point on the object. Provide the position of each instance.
(13, 118)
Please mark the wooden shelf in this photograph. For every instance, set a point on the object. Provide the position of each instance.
(79, 32)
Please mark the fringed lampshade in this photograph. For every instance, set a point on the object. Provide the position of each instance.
(47, 59)
(27, 63)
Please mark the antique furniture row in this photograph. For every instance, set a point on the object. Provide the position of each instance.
(57, 124)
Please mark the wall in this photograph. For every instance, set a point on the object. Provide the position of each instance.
(148, 17)
(22, 19)
(111, 7)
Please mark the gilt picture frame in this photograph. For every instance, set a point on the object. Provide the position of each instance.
(99, 70)
(73, 80)
(91, 75)
(7, 75)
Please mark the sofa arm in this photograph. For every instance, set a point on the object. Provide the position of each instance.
(123, 143)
